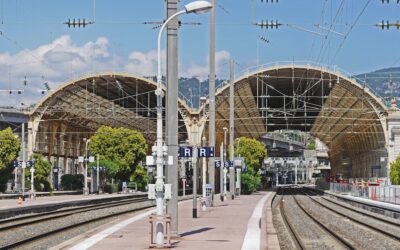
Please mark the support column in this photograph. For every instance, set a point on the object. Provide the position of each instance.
(231, 129)
(211, 138)
(172, 112)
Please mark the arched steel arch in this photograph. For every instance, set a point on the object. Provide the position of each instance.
(341, 112)
(75, 110)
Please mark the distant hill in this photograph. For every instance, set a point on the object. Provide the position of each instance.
(379, 81)
(192, 89)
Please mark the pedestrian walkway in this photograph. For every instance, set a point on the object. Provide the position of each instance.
(233, 224)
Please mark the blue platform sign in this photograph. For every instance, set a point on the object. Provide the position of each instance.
(228, 164)
(185, 152)
(202, 152)
(217, 163)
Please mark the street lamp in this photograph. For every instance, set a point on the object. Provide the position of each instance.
(197, 7)
(238, 172)
(223, 191)
(203, 101)
(86, 159)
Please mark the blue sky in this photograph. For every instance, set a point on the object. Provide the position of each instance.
(37, 45)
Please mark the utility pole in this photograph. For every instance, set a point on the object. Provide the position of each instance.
(98, 174)
(211, 137)
(231, 129)
(195, 178)
(23, 160)
(172, 112)
(221, 172)
(225, 170)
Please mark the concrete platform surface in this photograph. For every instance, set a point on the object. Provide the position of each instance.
(233, 224)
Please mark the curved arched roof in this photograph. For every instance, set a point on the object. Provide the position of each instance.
(114, 99)
(344, 114)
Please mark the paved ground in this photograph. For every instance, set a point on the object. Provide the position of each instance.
(227, 225)
(12, 203)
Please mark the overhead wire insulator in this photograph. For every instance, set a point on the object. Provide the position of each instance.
(268, 24)
(78, 23)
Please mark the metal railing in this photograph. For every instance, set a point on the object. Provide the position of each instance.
(389, 194)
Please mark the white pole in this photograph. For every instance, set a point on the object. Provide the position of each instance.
(221, 172)
(32, 179)
(159, 142)
(86, 191)
(23, 161)
(195, 178)
(98, 175)
(204, 176)
(231, 130)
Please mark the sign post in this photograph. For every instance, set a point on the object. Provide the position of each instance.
(195, 153)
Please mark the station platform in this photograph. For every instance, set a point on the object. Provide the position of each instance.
(242, 223)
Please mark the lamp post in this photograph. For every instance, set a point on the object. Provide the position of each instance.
(196, 7)
(238, 172)
(86, 159)
(224, 170)
(203, 101)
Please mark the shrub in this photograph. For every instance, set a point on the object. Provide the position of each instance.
(250, 181)
(111, 188)
(72, 182)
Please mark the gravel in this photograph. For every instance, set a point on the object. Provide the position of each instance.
(19, 234)
(313, 236)
(285, 240)
(361, 236)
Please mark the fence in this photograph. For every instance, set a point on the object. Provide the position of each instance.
(390, 194)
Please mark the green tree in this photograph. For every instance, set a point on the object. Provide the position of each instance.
(9, 148)
(111, 167)
(141, 178)
(42, 173)
(311, 145)
(251, 181)
(123, 146)
(395, 172)
(253, 153)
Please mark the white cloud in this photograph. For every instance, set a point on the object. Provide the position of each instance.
(145, 64)
(201, 70)
(61, 60)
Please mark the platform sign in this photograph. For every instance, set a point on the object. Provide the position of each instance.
(228, 164)
(15, 164)
(185, 152)
(217, 163)
(202, 152)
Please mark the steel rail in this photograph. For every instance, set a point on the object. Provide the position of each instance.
(327, 229)
(386, 233)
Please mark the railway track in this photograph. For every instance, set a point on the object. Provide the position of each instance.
(29, 219)
(301, 240)
(377, 223)
(14, 226)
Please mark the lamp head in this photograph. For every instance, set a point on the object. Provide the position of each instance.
(198, 7)
(203, 99)
(225, 128)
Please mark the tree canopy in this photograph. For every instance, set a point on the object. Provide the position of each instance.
(395, 172)
(253, 153)
(9, 148)
(42, 172)
(121, 148)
